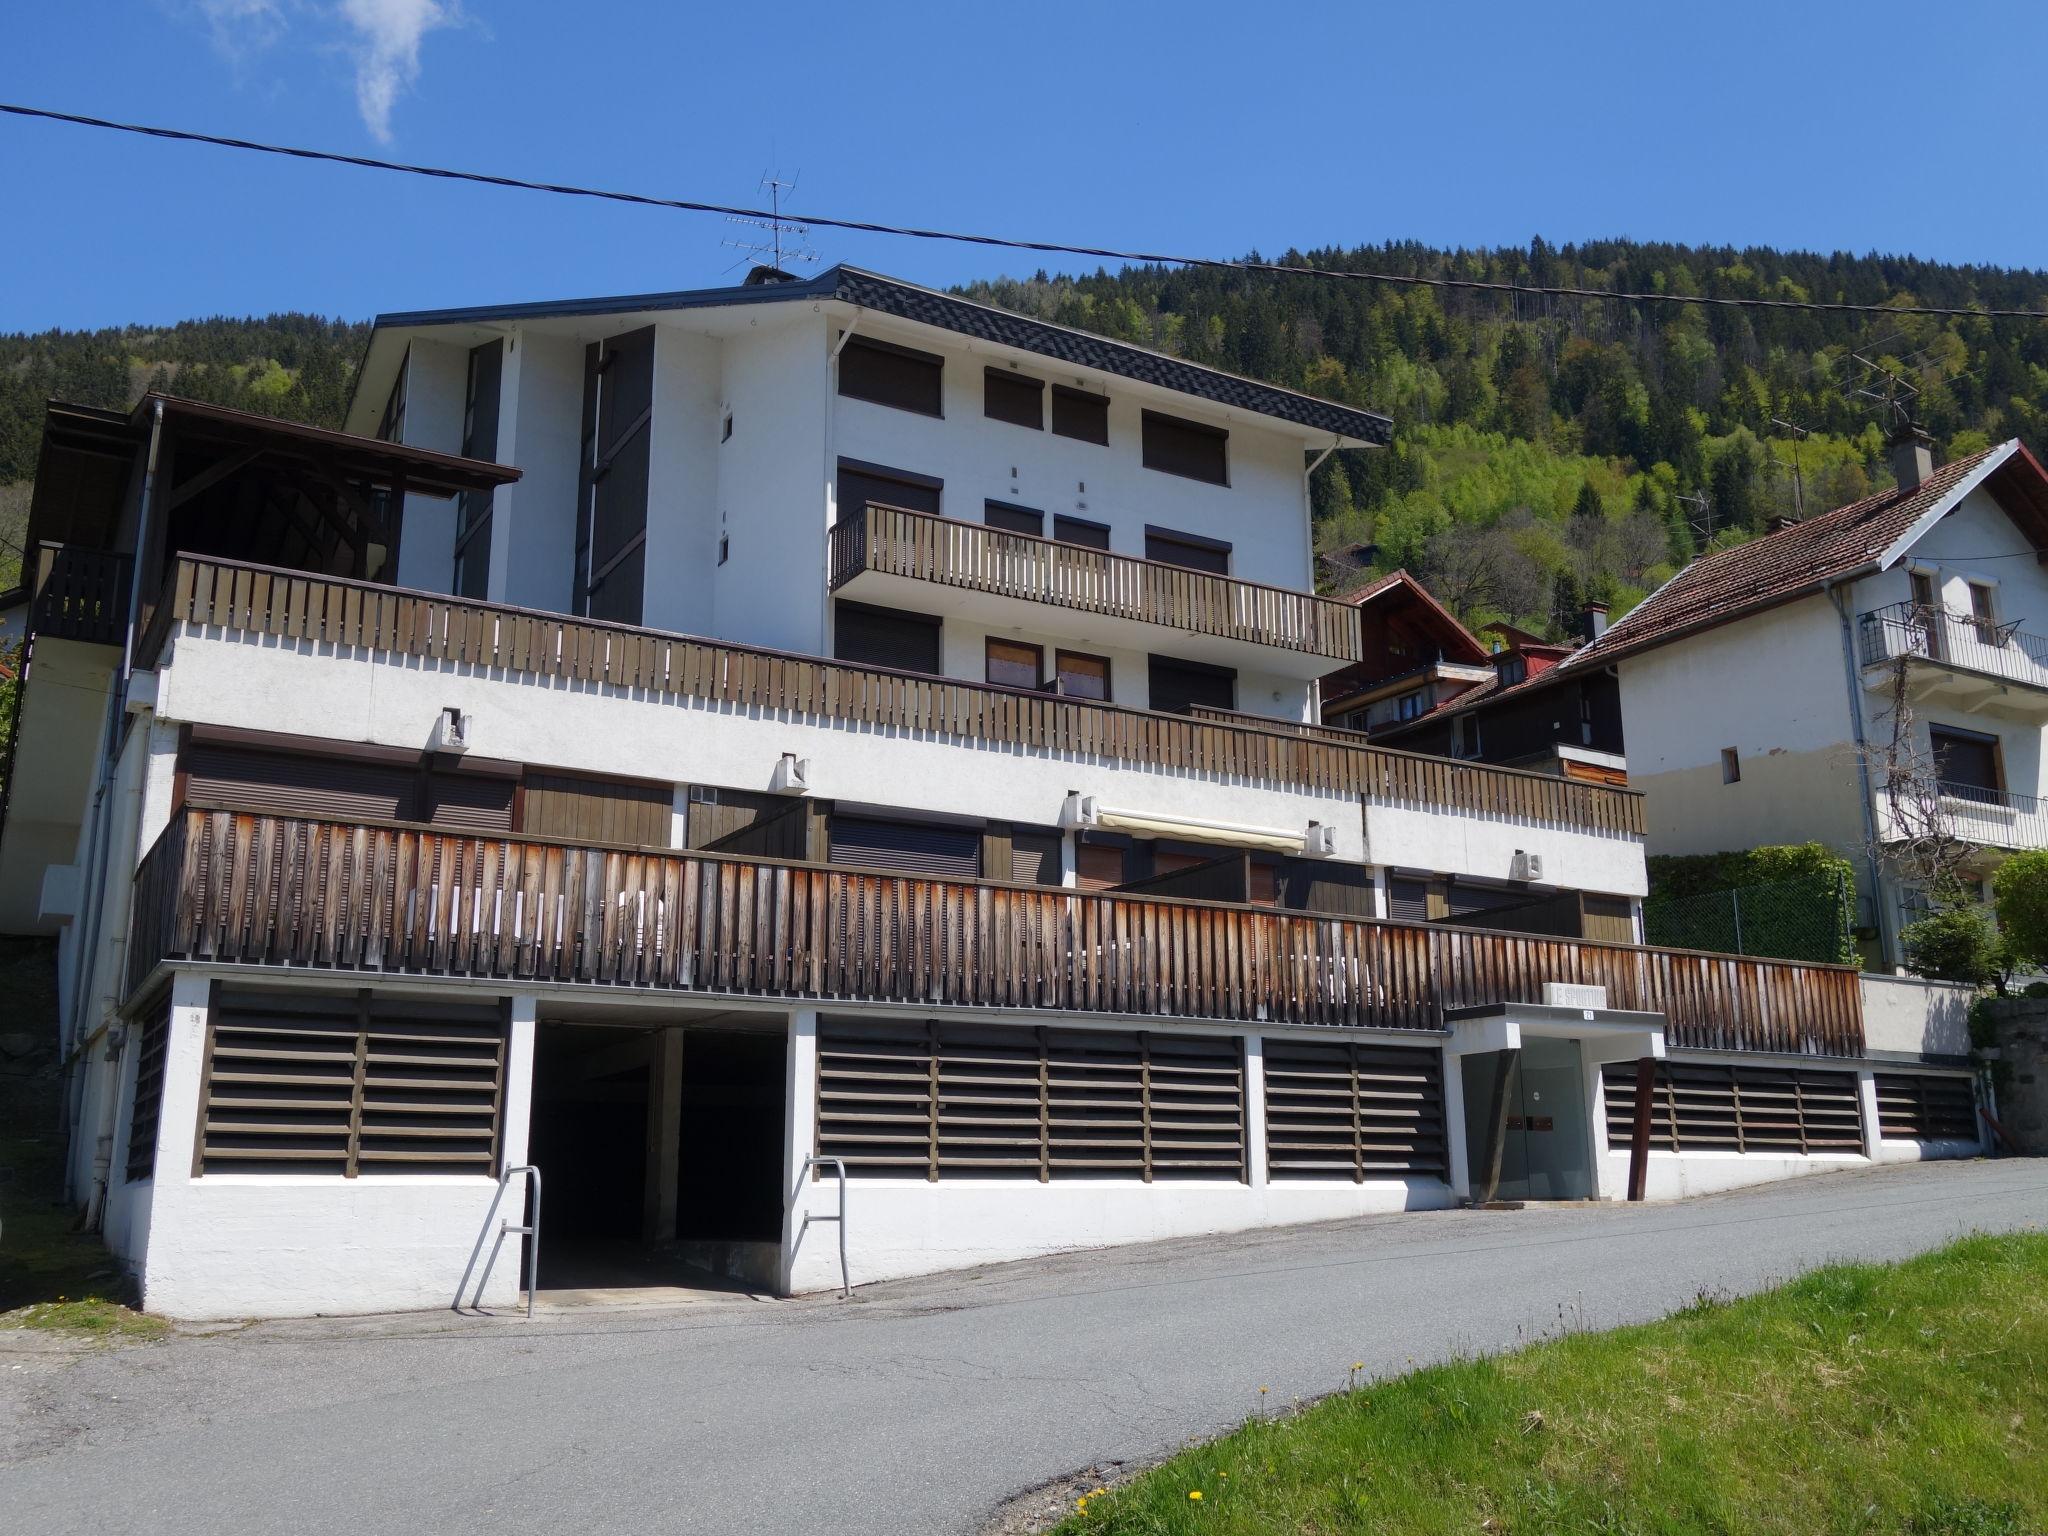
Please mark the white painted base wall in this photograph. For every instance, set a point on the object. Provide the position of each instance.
(899, 1227)
(1682, 1175)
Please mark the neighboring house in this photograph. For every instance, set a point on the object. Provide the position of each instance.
(1417, 658)
(864, 725)
(1761, 685)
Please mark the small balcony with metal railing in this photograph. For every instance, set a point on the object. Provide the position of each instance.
(1958, 660)
(902, 558)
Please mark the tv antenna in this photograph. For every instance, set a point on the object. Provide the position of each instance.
(781, 240)
(1799, 434)
(1701, 525)
(1890, 390)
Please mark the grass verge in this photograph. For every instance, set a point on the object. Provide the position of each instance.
(1909, 1398)
(51, 1277)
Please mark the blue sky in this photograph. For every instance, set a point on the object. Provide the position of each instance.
(1203, 127)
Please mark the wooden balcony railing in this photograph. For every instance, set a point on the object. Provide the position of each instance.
(899, 542)
(1478, 789)
(81, 594)
(248, 599)
(375, 898)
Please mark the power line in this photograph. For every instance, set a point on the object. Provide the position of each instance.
(1049, 247)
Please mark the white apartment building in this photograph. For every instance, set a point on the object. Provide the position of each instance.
(700, 746)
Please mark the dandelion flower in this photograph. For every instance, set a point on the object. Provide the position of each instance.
(1195, 1494)
(1262, 1391)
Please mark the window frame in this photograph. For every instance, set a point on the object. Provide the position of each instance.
(1988, 741)
(1731, 766)
(1012, 509)
(1059, 659)
(1154, 661)
(988, 646)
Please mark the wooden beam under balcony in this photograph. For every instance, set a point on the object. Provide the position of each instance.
(896, 541)
(233, 888)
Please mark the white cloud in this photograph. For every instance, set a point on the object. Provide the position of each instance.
(387, 50)
(240, 28)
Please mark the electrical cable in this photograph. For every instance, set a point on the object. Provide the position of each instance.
(1051, 247)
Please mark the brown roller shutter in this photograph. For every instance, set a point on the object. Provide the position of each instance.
(891, 375)
(882, 637)
(912, 847)
(1034, 857)
(1012, 397)
(859, 484)
(1187, 448)
(1078, 414)
(1408, 900)
(470, 802)
(290, 784)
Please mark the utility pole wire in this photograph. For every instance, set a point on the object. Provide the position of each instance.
(1049, 247)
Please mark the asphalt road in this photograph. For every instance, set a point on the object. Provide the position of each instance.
(918, 1407)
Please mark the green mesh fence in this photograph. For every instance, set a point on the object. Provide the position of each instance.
(1811, 919)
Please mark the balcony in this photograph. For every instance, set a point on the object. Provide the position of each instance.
(895, 556)
(81, 594)
(1994, 818)
(287, 892)
(1959, 661)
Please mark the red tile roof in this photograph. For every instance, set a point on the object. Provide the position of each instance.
(1793, 561)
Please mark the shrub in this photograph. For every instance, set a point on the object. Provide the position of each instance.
(1958, 943)
(2021, 890)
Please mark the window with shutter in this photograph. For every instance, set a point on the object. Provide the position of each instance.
(860, 484)
(325, 787)
(1012, 397)
(470, 802)
(1187, 448)
(1000, 514)
(1035, 856)
(1099, 866)
(1177, 686)
(919, 848)
(1083, 677)
(885, 637)
(1966, 761)
(1013, 664)
(309, 1083)
(885, 374)
(1078, 530)
(1408, 900)
(1186, 549)
(611, 533)
(1078, 414)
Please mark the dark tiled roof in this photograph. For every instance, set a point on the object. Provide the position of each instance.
(927, 306)
(1778, 567)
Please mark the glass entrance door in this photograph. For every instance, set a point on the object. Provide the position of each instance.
(1537, 1120)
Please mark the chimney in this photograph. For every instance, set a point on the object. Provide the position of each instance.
(1912, 457)
(763, 274)
(1778, 522)
(1593, 621)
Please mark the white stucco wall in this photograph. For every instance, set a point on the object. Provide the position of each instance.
(302, 688)
(1484, 847)
(540, 428)
(1907, 1014)
(774, 479)
(1774, 688)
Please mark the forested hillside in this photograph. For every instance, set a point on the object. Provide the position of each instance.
(1552, 450)
(1546, 451)
(296, 366)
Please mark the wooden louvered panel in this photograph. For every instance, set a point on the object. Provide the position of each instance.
(1195, 1125)
(991, 1084)
(430, 1096)
(143, 1123)
(1346, 1110)
(994, 1101)
(1703, 1107)
(350, 1084)
(875, 1097)
(1096, 1104)
(1926, 1106)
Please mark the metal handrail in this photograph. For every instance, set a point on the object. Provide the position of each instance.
(506, 1229)
(839, 1165)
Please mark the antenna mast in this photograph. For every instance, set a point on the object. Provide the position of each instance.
(775, 228)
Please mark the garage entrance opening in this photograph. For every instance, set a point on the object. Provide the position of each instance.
(660, 1150)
